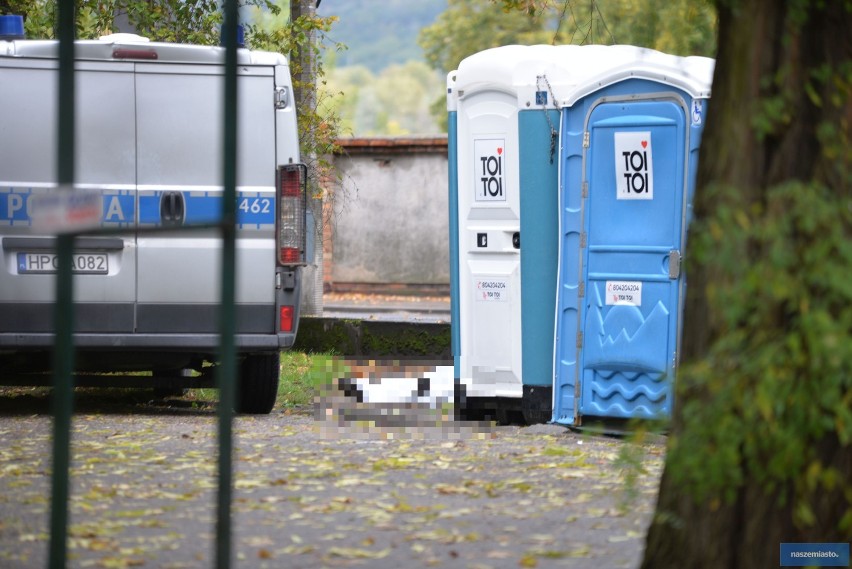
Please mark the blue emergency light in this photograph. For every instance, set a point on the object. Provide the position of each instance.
(241, 36)
(11, 27)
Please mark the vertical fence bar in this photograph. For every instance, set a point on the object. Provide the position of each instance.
(63, 395)
(63, 358)
(227, 367)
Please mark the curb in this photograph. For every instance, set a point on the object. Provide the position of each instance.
(374, 338)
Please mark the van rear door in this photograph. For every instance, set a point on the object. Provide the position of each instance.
(105, 277)
(179, 145)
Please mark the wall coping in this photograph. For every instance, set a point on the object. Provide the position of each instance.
(393, 145)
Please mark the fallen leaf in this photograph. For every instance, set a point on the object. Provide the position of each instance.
(357, 553)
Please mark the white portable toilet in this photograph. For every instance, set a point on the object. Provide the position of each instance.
(565, 273)
(503, 155)
(631, 129)
(488, 295)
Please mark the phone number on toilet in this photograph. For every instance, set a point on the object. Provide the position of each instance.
(491, 290)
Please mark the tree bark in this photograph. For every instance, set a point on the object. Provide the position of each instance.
(759, 41)
(304, 58)
(305, 93)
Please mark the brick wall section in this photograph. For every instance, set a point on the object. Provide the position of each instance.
(397, 189)
(394, 145)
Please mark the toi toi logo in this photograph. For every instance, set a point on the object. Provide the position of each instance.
(634, 169)
(492, 175)
(489, 156)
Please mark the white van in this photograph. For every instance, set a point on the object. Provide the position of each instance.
(149, 140)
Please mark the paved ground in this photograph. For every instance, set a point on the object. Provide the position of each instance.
(386, 488)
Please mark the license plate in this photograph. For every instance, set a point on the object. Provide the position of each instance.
(47, 263)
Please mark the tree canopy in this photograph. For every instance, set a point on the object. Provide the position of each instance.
(680, 27)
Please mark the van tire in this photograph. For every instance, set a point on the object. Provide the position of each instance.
(257, 389)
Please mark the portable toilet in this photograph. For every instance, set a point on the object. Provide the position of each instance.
(630, 132)
(503, 124)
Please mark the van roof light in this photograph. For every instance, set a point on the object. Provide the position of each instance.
(241, 36)
(11, 27)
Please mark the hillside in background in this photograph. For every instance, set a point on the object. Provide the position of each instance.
(379, 33)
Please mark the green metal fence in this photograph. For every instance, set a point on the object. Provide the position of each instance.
(64, 309)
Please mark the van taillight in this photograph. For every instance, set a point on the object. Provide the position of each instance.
(287, 313)
(291, 182)
(290, 231)
(290, 255)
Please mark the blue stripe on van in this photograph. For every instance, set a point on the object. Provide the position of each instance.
(255, 210)
(202, 207)
(119, 208)
(13, 206)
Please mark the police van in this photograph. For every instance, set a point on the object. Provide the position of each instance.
(149, 143)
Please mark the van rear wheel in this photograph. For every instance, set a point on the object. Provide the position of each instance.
(257, 389)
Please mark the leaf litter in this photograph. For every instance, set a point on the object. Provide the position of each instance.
(311, 493)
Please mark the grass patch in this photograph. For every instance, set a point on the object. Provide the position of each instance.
(295, 387)
(300, 376)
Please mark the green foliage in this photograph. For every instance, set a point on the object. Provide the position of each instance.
(351, 81)
(319, 124)
(680, 27)
(779, 379)
(172, 21)
(683, 27)
(182, 22)
(387, 86)
(394, 102)
(38, 16)
(530, 7)
(469, 26)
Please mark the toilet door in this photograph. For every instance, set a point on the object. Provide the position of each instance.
(631, 278)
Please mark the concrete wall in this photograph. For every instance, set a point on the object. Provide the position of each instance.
(390, 226)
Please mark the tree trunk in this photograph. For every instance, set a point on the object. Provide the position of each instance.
(304, 59)
(742, 156)
(305, 93)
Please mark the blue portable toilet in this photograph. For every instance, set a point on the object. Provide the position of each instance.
(503, 124)
(630, 131)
